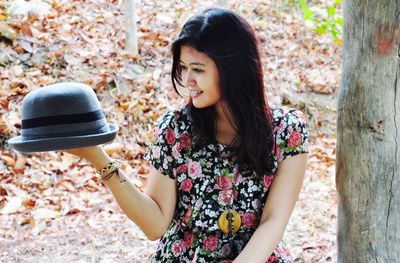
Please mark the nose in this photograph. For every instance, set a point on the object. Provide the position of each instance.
(187, 78)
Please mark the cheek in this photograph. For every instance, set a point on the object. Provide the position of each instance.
(213, 85)
(213, 89)
(216, 89)
(216, 83)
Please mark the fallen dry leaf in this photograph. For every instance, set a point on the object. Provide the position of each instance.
(84, 41)
(13, 205)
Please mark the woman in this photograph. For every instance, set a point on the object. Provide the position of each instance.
(215, 161)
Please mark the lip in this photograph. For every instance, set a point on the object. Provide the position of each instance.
(195, 93)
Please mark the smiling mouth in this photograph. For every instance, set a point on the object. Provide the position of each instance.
(195, 93)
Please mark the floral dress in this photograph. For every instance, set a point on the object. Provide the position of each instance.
(209, 181)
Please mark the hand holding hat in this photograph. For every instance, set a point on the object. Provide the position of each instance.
(62, 116)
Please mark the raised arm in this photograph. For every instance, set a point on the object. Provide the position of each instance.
(153, 209)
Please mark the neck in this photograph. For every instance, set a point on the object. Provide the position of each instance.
(225, 128)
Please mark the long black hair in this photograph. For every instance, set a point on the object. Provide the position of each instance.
(230, 42)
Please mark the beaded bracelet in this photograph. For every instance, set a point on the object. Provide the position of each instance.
(108, 175)
(101, 171)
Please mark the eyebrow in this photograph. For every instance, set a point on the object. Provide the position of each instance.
(194, 63)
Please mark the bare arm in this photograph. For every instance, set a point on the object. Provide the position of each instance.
(278, 208)
(151, 210)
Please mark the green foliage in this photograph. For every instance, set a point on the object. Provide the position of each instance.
(332, 23)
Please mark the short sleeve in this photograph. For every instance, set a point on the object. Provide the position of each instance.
(164, 151)
(291, 135)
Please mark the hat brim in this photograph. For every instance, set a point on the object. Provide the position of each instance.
(62, 143)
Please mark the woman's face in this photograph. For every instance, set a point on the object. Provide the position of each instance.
(200, 76)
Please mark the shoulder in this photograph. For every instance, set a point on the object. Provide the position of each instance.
(290, 132)
(287, 117)
(173, 119)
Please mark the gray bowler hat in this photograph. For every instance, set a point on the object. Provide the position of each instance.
(62, 116)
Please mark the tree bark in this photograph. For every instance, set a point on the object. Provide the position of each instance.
(131, 27)
(368, 130)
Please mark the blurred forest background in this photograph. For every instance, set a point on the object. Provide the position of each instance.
(52, 205)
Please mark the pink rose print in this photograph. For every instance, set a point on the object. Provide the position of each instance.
(178, 247)
(235, 194)
(282, 252)
(294, 139)
(277, 148)
(210, 243)
(187, 215)
(273, 259)
(185, 141)
(194, 259)
(176, 151)
(186, 185)
(170, 136)
(249, 220)
(181, 169)
(224, 183)
(155, 133)
(225, 197)
(238, 178)
(267, 181)
(189, 238)
(281, 127)
(194, 169)
(156, 152)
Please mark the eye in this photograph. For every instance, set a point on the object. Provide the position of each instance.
(183, 67)
(198, 70)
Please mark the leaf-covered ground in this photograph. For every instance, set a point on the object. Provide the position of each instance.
(52, 206)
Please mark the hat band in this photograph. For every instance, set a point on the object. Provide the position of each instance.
(62, 119)
(86, 132)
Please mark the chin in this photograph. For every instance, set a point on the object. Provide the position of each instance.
(200, 105)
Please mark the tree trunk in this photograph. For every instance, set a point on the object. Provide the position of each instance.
(368, 150)
(130, 27)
